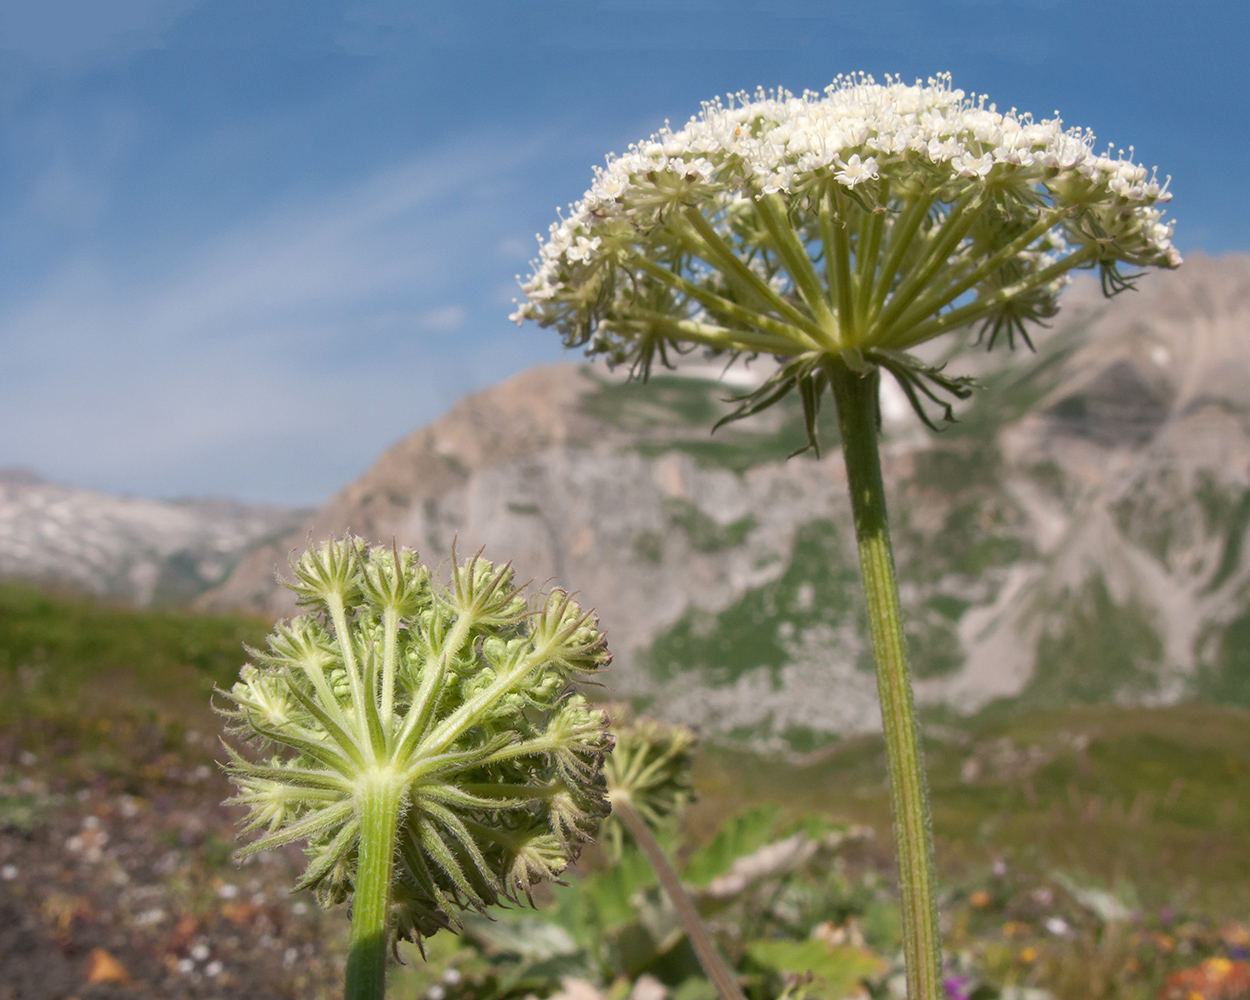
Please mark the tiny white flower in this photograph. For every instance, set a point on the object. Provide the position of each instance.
(854, 171)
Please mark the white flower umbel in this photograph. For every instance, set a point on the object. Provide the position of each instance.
(427, 746)
(853, 224)
(836, 232)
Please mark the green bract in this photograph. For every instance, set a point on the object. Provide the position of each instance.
(849, 226)
(436, 721)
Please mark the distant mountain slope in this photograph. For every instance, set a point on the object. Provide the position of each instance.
(135, 550)
(1078, 536)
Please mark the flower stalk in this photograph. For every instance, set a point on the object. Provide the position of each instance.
(648, 777)
(856, 399)
(379, 807)
(696, 931)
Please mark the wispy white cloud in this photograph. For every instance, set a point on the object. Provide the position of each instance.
(444, 318)
(276, 360)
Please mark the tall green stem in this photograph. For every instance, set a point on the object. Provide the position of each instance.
(856, 398)
(366, 960)
(715, 967)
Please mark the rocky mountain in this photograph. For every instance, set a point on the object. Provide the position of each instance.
(125, 548)
(1077, 536)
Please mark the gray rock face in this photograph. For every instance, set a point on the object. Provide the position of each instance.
(1078, 536)
(134, 550)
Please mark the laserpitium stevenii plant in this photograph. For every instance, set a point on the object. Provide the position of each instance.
(648, 775)
(425, 741)
(836, 232)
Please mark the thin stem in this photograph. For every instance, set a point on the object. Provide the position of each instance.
(901, 235)
(378, 806)
(390, 633)
(717, 971)
(962, 216)
(739, 313)
(856, 398)
(711, 334)
(926, 306)
(842, 263)
(868, 270)
(794, 255)
(979, 307)
(338, 615)
(721, 256)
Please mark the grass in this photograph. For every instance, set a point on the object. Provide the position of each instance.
(1158, 799)
(108, 688)
(1152, 805)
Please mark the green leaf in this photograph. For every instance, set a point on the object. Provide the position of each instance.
(836, 972)
(738, 836)
(531, 937)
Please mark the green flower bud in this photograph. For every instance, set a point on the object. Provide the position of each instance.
(330, 570)
(649, 768)
(434, 719)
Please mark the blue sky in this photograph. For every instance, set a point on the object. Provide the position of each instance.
(247, 244)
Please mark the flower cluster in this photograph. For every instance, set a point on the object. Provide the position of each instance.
(868, 218)
(649, 769)
(452, 702)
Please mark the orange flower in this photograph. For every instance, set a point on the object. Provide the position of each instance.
(1214, 979)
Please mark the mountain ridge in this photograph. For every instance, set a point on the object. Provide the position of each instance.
(1076, 536)
(132, 549)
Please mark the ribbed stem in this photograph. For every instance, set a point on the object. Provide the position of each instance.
(371, 900)
(856, 398)
(717, 971)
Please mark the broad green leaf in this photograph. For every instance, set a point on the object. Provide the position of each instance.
(835, 972)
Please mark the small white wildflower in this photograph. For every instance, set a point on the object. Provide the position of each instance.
(185, 965)
(200, 951)
(213, 969)
(435, 992)
(452, 976)
(854, 171)
(1057, 926)
(228, 891)
(8, 873)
